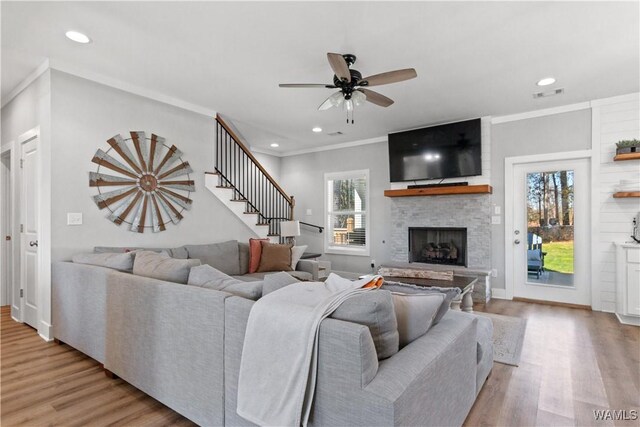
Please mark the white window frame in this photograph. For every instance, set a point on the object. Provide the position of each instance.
(329, 248)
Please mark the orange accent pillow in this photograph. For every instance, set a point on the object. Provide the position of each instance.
(374, 283)
(255, 253)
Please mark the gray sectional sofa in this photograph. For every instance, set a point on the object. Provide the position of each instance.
(182, 345)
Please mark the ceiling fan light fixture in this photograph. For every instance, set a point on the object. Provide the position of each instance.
(358, 98)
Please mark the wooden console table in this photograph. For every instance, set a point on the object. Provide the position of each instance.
(463, 302)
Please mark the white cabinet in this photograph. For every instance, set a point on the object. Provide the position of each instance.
(628, 283)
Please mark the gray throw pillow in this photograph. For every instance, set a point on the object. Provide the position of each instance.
(415, 314)
(161, 266)
(275, 281)
(375, 310)
(221, 256)
(405, 288)
(205, 276)
(118, 261)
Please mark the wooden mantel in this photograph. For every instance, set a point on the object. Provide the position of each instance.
(440, 191)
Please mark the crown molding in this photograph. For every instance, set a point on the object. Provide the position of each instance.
(335, 146)
(26, 82)
(130, 88)
(541, 113)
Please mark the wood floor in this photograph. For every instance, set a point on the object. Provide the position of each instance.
(573, 361)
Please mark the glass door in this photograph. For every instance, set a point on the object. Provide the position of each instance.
(550, 239)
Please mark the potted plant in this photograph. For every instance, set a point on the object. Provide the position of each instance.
(628, 146)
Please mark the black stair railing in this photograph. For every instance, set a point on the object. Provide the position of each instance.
(239, 170)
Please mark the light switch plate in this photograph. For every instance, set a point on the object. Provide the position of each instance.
(74, 218)
(496, 219)
(496, 210)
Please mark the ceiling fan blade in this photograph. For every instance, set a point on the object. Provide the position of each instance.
(389, 77)
(339, 66)
(307, 85)
(334, 100)
(376, 98)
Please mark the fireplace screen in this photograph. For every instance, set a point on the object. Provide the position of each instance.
(438, 245)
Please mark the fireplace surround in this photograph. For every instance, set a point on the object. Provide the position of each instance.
(438, 245)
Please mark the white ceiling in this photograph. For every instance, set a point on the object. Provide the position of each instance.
(473, 58)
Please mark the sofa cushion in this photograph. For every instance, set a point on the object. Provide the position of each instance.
(296, 254)
(274, 281)
(275, 257)
(161, 266)
(300, 275)
(255, 252)
(243, 254)
(118, 261)
(222, 256)
(405, 288)
(180, 252)
(415, 314)
(374, 309)
(205, 276)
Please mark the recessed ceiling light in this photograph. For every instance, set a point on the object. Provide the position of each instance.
(546, 81)
(77, 37)
(274, 145)
(317, 129)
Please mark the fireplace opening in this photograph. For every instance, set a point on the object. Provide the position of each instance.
(438, 245)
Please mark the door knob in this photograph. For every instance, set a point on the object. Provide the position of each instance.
(517, 242)
(32, 243)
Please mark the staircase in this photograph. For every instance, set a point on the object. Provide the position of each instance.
(244, 186)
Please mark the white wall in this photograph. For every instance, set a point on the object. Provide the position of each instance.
(303, 177)
(614, 119)
(86, 114)
(540, 135)
(272, 164)
(29, 110)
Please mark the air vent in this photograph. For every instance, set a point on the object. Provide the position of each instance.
(549, 93)
(338, 133)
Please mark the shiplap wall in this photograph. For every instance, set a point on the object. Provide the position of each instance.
(613, 119)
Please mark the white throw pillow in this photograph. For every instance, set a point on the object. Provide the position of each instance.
(117, 261)
(415, 314)
(296, 253)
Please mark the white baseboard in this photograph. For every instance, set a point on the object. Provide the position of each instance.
(499, 293)
(17, 320)
(628, 320)
(45, 331)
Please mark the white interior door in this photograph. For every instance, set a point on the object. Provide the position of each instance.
(29, 230)
(7, 248)
(550, 238)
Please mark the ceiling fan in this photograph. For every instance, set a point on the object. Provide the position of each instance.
(352, 86)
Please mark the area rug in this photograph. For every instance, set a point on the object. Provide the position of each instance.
(508, 336)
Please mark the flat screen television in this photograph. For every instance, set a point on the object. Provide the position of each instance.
(445, 151)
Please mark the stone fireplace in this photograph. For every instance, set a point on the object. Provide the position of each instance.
(444, 214)
(438, 245)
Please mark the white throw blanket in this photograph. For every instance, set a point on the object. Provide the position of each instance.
(279, 357)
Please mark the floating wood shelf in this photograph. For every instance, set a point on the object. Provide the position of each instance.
(626, 194)
(440, 191)
(626, 156)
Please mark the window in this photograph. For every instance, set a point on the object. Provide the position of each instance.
(346, 208)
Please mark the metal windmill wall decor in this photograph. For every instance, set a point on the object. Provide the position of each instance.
(148, 192)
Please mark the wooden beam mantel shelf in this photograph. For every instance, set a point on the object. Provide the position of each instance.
(625, 194)
(440, 191)
(626, 156)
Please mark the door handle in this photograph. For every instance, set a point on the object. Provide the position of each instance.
(32, 243)
(517, 242)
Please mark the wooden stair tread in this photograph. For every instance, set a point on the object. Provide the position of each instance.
(239, 200)
(211, 173)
